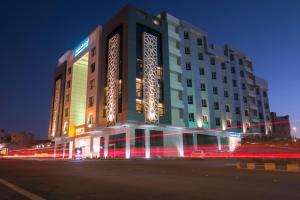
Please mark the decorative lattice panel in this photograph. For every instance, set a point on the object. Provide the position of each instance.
(56, 107)
(112, 79)
(151, 88)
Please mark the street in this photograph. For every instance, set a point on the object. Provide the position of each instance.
(144, 179)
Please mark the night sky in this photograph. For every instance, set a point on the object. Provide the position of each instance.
(34, 34)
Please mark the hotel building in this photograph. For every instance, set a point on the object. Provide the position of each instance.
(143, 86)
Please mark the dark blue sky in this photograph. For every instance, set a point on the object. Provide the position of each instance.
(34, 34)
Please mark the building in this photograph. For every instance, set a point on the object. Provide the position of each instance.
(143, 86)
(281, 126)
(3, 136)
(21, 138)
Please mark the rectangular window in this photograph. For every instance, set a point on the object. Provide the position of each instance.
(231, 57)
(212, 61)
(214, 75)
(91, 101)
(242, 73)
(218, 121)
(228, 122)
(190, 99)
(201, 71)
(237, 110)
(186, 35)
(180, 95)
(240, 61)
(223, 66)
(216, 105)
(138, 106)
(188, 66)
(205, 119)
(204, 104)
(199, 41)
(245, 99)
(259, 103)
(200, 56)
(179, 78)
(233, 70)
(234, 83)
(215, 90)
(138, 88)
(226, 94)
(260, 115)
(92, 84)
(243, 86)
(236, 96)
(246, 113)
(264, 93)
(189, 83)
(191, 117)
(225, 79)
(227, 109)
(202, 86)
(93, 66)
(187, 50)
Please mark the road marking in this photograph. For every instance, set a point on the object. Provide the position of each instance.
(21, 191)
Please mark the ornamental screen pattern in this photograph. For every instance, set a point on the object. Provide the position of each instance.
(112, 79)
(56, 107)
(151, 87)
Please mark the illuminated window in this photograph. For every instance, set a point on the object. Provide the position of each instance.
(138, 88)
(160, 72)
(139, 106)
(161, 109)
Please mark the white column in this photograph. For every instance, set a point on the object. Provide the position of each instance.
(219, 143)
(147, 143)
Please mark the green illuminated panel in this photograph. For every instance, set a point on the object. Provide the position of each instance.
(78, 92)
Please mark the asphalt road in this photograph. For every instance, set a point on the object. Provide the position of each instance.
(144, 179)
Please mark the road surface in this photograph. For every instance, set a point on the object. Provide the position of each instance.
(143, 179)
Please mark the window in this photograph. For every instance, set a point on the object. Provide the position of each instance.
(228, 122)
(202, 86)
(138, 106)
(205, 119)
(212, 61)
(237, 110)
(93, 51)
(240, 61)
(243, 86)
(234, 83)
(93, 66)
(242, 73)
(186, 35)
(201, 71)
(264, 93)
(199, 41)
(190, 99)
(91, 101)
(225, 79)
(69, 70)
(215, 90)
(214, 75)
(246, 113)
(189, 83)
(180, 113)
(179, 78)
(187, 50)
(259, 103)
(257, 91)
(223, 66)
(204, 104)
(66, 112)
(233, 70)
(245, 99)
(218, 121)
(180, 95)
(67, 97)
(260, 115)
(92, 84)
(227, 109)
(200, 56)
(188, 66)
(231, 57)
(216, 105)
(138, 88)
(191, 117)
(236, 96)
(69, 84)
(226, 94)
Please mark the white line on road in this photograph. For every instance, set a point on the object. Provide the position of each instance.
(21, 191)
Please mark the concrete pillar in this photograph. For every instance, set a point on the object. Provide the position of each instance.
(219, 143)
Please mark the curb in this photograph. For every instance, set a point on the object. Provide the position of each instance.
(269, 166)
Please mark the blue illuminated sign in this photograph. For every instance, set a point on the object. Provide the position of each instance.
(234, 134)
(83, 45)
